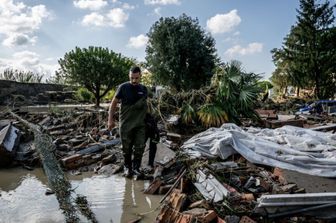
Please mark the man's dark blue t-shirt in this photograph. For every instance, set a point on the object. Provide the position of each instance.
(129, 94)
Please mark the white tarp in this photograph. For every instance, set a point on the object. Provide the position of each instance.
(288, 147)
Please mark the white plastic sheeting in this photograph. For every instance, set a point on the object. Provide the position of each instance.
(288, 147)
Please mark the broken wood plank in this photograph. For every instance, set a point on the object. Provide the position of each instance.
(164, 189)
(174, 185)
(174, 137)
(153, 187)
(325, 128)
(177, 200)
(267, 114)
(97, 147)
(273, 124)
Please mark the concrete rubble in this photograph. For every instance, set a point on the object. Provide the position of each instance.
(210, 187)
(200, 181)
(230, 187)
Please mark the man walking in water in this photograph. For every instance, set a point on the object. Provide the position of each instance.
(133, 107)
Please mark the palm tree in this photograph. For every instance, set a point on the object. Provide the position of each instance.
(237, 91)
(231, 96)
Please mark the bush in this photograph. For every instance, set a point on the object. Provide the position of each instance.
(84, 95)
(109, 96)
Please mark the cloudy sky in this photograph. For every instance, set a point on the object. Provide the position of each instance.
(34, 34)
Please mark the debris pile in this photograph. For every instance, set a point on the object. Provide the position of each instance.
(79, 144)
(225, 181)
(226, 174)
(239, 191)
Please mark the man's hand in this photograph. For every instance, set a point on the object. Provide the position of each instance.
(111, 124)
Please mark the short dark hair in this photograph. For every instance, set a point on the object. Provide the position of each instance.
(135, 69)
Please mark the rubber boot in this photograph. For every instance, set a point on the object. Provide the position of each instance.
(136, 168)
(152, 153)
(128, 166)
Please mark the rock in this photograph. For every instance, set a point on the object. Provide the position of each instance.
(231, 219)
(109, 169)
(49, 191)
(109, 159)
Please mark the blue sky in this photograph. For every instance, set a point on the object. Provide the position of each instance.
(34, 34)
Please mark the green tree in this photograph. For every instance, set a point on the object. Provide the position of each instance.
(280, 81)
(180, 54)
(147, 78)
(282, 76)
(233, 94)
(265, 85)
(309, 50)
(97, 69)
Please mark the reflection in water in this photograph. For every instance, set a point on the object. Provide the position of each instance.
(27, 203)
(11, 178)
(112, 199)
(136, 203)
(105, 195)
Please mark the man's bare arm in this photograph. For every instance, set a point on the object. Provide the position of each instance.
(112, 109)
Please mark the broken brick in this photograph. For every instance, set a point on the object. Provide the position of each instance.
(246, 219)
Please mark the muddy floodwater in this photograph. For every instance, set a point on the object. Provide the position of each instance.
(112, 199)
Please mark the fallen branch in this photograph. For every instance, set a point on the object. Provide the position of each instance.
(56, 178)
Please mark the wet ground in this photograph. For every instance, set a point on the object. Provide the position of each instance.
(312, 184)
(112, 199)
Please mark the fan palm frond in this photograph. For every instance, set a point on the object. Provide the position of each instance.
(188, 114)
(212, 115)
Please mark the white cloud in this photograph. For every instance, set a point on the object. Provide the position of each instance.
(19, 22)
(117, 17)
(128, 6)
(252, 48)
(157, 11)
(28, 61)
(222, 23)
(17, 39)
(38, 13)
(90, 4)
(9, 7)
(137, 41)
(162, 2)
(26, 58)
(94, 19)
(50, 59)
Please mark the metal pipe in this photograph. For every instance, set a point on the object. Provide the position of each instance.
(297, 211)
